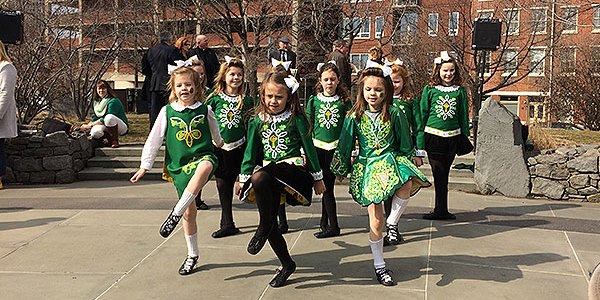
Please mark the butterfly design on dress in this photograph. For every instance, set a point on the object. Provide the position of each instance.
(187, 133)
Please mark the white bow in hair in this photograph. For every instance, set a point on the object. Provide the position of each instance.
(444, 57)
(228, 59)
(398, 62)
(193, 58)
(320, 65)
(286, 64)
(386, 69)
(178, 64)
(292, 83)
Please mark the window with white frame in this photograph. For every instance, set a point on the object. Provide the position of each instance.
(510, 62)
(567, 60)
(485, 14)
(539, 20)
(379, 22)
(488, 61)
(408, 24)
(359, 27)
(569, 14)
(359, 60)
(596, 18)
(537, 59)
(512, 17)
(595, 61)
(453, 23)
(432, 24)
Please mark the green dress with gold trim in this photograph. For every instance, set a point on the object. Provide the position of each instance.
(188, 142)
(383, 163)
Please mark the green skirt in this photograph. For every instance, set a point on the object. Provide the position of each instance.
(375, 179)
(180, 175)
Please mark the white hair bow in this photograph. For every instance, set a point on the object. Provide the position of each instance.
(193, 58)
(292, 83)
(444, 57)
(286, 64)
(178, 64)
(397, 62)
(228, 59)
(320, 65)
(386, 69)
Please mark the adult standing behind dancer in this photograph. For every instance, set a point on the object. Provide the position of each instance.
(283, 53)
(208, 56)
(339, 55)
(159, 57)
(8, 106)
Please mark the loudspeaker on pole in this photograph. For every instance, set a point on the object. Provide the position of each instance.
(11, 24)
(486, 34)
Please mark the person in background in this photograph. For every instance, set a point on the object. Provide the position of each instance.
(208, 56)
(340, 56)
(183, 45)
(283, 53)
(8, 105)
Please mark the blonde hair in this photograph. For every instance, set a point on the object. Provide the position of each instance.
(376, 54)
(198, 88)
(219, 82)
(200, 63)
(3, 54)
(407, 92)
(359, 107)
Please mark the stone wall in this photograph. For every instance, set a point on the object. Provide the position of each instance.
(566, 173)
(55, 158)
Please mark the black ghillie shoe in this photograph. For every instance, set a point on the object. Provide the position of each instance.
(225, 231)
(330, 232)
(284, 228)
(281, 276)
(384, 276)
(439, 216)
(169, 225)
(201, 205)
(188, 265)
(393, 236)
(257, 242)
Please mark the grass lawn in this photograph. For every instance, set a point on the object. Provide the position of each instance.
(552, 138)
(139, 128)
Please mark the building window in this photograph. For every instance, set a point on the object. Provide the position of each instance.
(432, 24)
(360, 28)
(408, 24)
(570, 19)
(486, 14)
(511, 103)
(488, 61)
(539, 19)
(509, 61)
(379, 22)
(453, 23)
(595, 60)
(359, 60)
(512, 21)
(596, 21)
(567, 60)
(537, 58)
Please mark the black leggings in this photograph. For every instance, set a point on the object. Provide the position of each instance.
(225, 189)
(268, 191)
(440, 167)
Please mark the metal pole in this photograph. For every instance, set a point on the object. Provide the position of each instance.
(477, 99)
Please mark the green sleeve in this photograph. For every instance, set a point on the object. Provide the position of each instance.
(402, 133)
(309, 148)
(252, 149)
(115, 107)
(424, 107)
(310, 110)
(464, 111)
(340, 164)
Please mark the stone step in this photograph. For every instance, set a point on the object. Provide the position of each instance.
(121, 162)
(127, 150)
(98, 173)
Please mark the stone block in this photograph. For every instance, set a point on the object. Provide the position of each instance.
(9, 177)
(588, 191)
(579, 181)
(42, 177)
(58, 138)
(62, 150)
(74, 145)
(572, 191)
(559, 173)
(22, 177)
(531, 161)
(584, 164)
(28, 164)
(36, 139)
(594, 183)
(34, 145)
(547, 187)
(594, 198)
(567, 151)
(18, 141)
(78, 164)
(550, 159)
(60, 162)
(66, 176)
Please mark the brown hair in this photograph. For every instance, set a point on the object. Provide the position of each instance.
(341, 88)
(109, 90)
(199, 62)
(219, 82)
(435, 75)
(292, 103)
(376, 54)
(198, 88)
(407, 93)
(360, 105)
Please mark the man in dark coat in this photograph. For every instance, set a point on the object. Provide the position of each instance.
(159, 57)
(339, 55)
(208, 56)
(283, 53)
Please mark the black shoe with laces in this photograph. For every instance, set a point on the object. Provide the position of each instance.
(384, 276)
(282, 275)
(393, 236)
(201, 205)
(256, 243)
(225, 231)
(169, 225)
(330, 232)
(188, 265)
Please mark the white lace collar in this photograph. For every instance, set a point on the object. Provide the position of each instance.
(447, 89)
(324, 98)
(276, 118)
(229, 98)
(178, 107)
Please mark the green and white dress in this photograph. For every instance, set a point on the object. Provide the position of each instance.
(383, 163)
(412, 113)
(189, 132)
(327, 114)
(280, 138)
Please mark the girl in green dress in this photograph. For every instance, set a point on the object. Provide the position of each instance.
(279, 129)
(382, 167)
(190, 130)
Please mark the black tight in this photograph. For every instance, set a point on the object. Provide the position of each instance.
(267, 191)
(225, 189)
(329, 207)
(440, 167)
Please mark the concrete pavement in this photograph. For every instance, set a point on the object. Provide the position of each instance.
(99, 240)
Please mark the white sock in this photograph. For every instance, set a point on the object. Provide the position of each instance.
(192, 244)
(377, 250)
(183, 203)
(398, 208)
